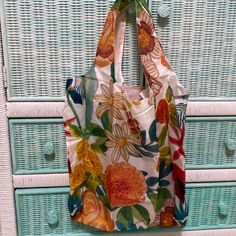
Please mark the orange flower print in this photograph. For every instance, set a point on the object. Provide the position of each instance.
(77, 177)
(82, 149)
(167, 217)
(105, 50)
(162, 113)
(95, 213)
(152, 75)
(92, 164)
(148, 42)
(90, 160)
(125, 184)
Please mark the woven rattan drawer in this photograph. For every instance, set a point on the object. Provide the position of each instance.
(211, 205)
(210, 142)
(38, 146)
(44, 211)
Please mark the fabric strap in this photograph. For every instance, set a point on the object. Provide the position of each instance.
(112, 38)
(158, 72)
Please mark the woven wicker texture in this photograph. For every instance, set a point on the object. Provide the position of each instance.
(204, 206)
(49, 41)
(38, 146)
(34, 210)
(210, 142)
(199, 38)
(7, 211)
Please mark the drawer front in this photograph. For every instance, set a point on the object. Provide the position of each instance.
(38, 146)
(63, 44)
(210, 142)
(211, 205)
(199, 38)
(44, 211)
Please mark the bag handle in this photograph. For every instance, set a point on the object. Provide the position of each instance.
(158, 72)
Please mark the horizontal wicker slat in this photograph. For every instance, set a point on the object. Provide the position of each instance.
(61, 180)
(54, 109)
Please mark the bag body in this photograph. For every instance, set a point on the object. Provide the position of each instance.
(125, 143)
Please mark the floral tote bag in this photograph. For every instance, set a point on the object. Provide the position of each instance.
(125, 143)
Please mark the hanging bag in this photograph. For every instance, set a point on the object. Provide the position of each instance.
(125, 143)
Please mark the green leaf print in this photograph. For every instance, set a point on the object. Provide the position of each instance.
(165, 169)
(173, 115)
(125, 215)
(141, 213)
(99, 146)
(113, 72)
(151, 181)
(153, 197)
(100, 191)
(164, 182)
(165, 151)
(106, 122)
(151, 148)
(158, 199)
(181, 213)
(73, 110)
(92, 182)
(163, 195)
(168, 95)
(153, 132)
(96, 130)
(75, 130)
(162, 136)
(106, 201)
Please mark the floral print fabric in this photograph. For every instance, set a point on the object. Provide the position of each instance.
(125, 145)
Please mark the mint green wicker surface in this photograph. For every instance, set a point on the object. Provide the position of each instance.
(49, 41)
(44, 211)
(210, 142)
(38, 146)
(199, 38)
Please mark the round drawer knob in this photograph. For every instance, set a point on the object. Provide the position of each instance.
(230, 144)
(49, 150)
(163, 11)
(53, 218)
(230, 147)
(223, 209)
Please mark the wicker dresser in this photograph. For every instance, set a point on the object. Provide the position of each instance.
(46, 41)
